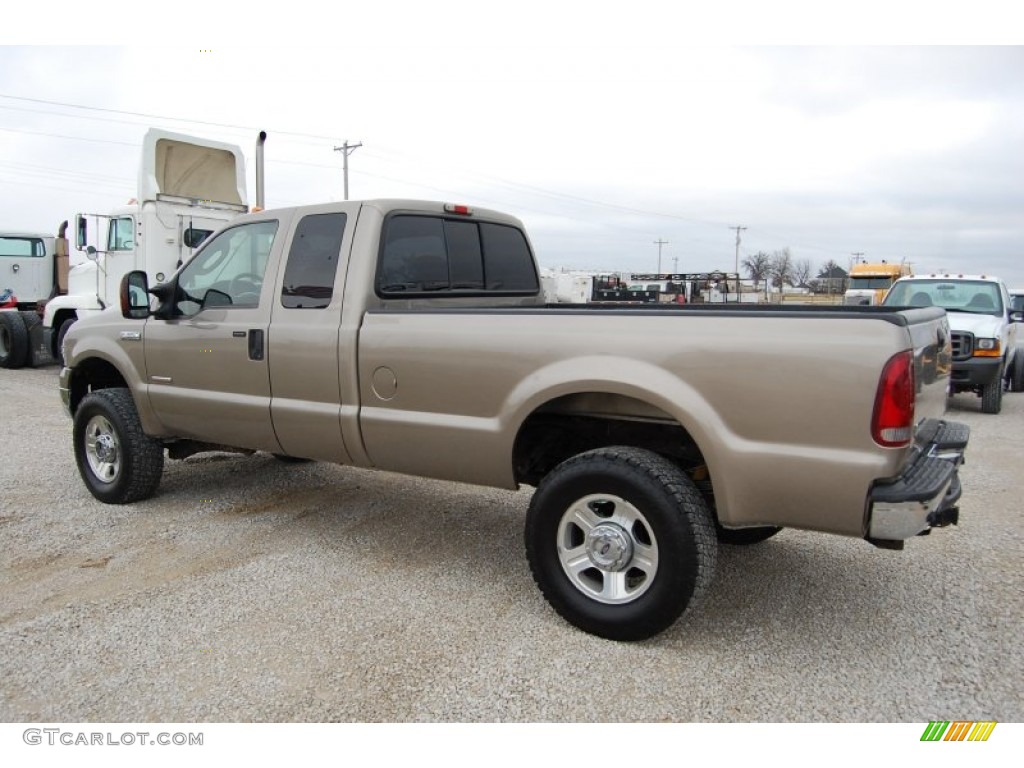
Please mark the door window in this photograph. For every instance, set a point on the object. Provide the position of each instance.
(121, 235)
(228, 271)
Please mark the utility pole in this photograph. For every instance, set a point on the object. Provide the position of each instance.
(348, 149)
(659, 242)
(737, 267)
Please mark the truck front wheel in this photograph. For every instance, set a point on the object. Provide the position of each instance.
(620, 542)
(992, 396)
(117, 460)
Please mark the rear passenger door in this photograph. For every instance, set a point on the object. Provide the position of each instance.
(305, 337)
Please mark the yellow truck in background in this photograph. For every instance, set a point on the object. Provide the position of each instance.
(870, 282)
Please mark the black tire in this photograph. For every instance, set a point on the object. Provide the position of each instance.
(117, 460)
(62, 331)
(13, 339)
(1017, 372)
(992, 396)
(636, 537)
(31, 320)
(742, 537)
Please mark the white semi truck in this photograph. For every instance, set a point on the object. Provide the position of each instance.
(187, 188)
(33, 268)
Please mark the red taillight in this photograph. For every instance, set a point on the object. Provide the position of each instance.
(460, 210)
(892, 424)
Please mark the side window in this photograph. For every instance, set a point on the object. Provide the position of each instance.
(22, 246)
(313, 262)
(121, 234)
(228, 271)
(431, 254)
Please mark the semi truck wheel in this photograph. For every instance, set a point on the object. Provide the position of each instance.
(117, 460)
(13, 340)
(62, 331)
(620, 542)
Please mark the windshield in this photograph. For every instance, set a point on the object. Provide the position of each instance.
(869, 283)
(976, 296)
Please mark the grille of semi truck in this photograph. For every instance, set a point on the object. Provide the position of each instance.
(963, 345)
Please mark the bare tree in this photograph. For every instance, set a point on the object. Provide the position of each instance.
(780, 268)
(801, 272)
(757, 266)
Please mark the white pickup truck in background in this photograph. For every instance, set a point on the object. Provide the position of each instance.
(983, 322)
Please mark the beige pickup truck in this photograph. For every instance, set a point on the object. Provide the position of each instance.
(413, 337)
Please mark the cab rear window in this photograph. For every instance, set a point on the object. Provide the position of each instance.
(431, 255)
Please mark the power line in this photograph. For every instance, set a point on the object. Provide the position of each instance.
(158, 117)
(489, 179)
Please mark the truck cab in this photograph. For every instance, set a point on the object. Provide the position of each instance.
(187, 188)
(33, 269)
(984, 331)
(869, 283)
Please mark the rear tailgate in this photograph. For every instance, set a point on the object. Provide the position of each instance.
(933, 359)
(926, 492)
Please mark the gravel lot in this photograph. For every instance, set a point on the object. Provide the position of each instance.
(250, 590)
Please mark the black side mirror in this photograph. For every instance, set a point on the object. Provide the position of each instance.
(134, 295)
(215, 298)
(194, 237)
(1017, 317)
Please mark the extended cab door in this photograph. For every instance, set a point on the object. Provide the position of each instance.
(308, 350)
(206, 363)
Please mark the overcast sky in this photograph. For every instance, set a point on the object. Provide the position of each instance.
(604, 131)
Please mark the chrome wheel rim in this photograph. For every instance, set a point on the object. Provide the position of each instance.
(102, 449)
(607, 549)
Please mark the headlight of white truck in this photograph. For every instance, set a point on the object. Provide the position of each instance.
(986, 348)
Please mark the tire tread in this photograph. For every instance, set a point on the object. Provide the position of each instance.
(143, 457)
(661, 475)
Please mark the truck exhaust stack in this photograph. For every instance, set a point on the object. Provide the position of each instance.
(259, 171)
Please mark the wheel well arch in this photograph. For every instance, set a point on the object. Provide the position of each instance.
(58, 319)
(571, 424)
(91, 375)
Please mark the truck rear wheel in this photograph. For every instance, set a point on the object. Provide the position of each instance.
(992, 396)
(13, 340)
(620, 542)
(117, 460)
